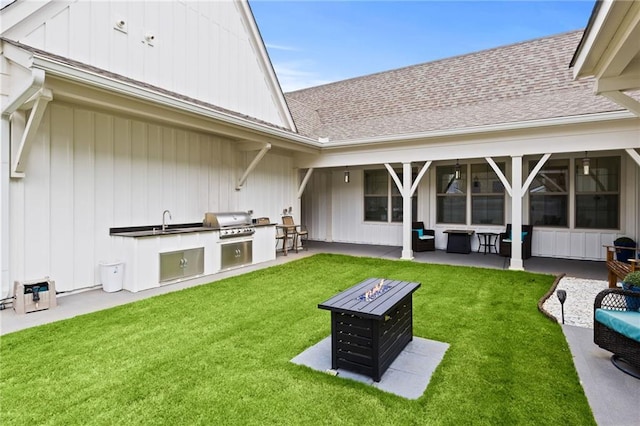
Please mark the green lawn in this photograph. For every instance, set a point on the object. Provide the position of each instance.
(220, 354)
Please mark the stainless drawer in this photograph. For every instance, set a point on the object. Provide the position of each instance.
(235, 254)
(181, 264)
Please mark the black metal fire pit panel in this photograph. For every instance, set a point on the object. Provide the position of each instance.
(367, 336)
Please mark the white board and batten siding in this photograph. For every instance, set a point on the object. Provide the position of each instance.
(334, 211)
(202, 50)
(89, 171)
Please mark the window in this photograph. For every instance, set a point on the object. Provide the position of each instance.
(598, 194)
(451, 198)
(380, 192)
(548, 196)
(487, 195)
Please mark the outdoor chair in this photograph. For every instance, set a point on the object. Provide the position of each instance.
(616, 327)
(620, 262)
(284, 236)
(299, 232)
(505, 241)
(422, 239)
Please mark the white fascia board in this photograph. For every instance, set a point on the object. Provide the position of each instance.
(614, 134)
(550, 122)
(92, 79)
(588, 56)
(624, 45)
(258, 42)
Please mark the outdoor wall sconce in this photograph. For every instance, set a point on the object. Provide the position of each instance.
(457, 172)
(585, 164)
(347, 178)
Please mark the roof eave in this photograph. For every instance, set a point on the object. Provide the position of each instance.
(69, 72)
(478, 130)
(608, 40)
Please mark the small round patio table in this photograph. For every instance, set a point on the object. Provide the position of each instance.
(487, 241)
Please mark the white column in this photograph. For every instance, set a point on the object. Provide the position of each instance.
(516, 214)
(407, 252)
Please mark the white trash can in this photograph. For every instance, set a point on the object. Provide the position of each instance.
(112, 276)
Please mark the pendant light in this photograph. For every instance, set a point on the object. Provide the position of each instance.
(585, 164)
(346, 176)
(457, 172)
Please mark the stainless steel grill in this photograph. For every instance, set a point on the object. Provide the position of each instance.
(230, 224)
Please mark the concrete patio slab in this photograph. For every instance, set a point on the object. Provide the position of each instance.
(613, 395)
(408, 376)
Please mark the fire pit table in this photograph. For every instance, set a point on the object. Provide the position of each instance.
(371, 323)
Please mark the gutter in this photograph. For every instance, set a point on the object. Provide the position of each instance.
(70, 72)
(520, 125)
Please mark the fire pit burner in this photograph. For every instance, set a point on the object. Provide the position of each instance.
(375, 292)
(371, 323)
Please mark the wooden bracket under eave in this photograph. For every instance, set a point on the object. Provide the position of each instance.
(254, 163)
(21, 151)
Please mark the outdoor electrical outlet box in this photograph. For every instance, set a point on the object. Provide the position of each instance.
(32, 296)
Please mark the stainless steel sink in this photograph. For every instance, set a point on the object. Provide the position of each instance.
(157, 231)
(172, 231)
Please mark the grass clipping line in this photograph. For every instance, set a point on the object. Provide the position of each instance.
(219, 354)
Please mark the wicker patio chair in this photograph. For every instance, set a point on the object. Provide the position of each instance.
(422, 239)
(504, 241)
(622, 347)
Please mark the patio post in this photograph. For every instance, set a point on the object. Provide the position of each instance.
(407, 252)
(516, 213)
(404, 188)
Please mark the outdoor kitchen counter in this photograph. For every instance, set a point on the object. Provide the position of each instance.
(147, 252)
(156, 230)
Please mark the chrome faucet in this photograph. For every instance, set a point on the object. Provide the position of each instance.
(164, 226)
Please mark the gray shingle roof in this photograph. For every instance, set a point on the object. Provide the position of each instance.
(520, 82)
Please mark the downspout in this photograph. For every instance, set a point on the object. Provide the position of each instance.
(5, 167)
